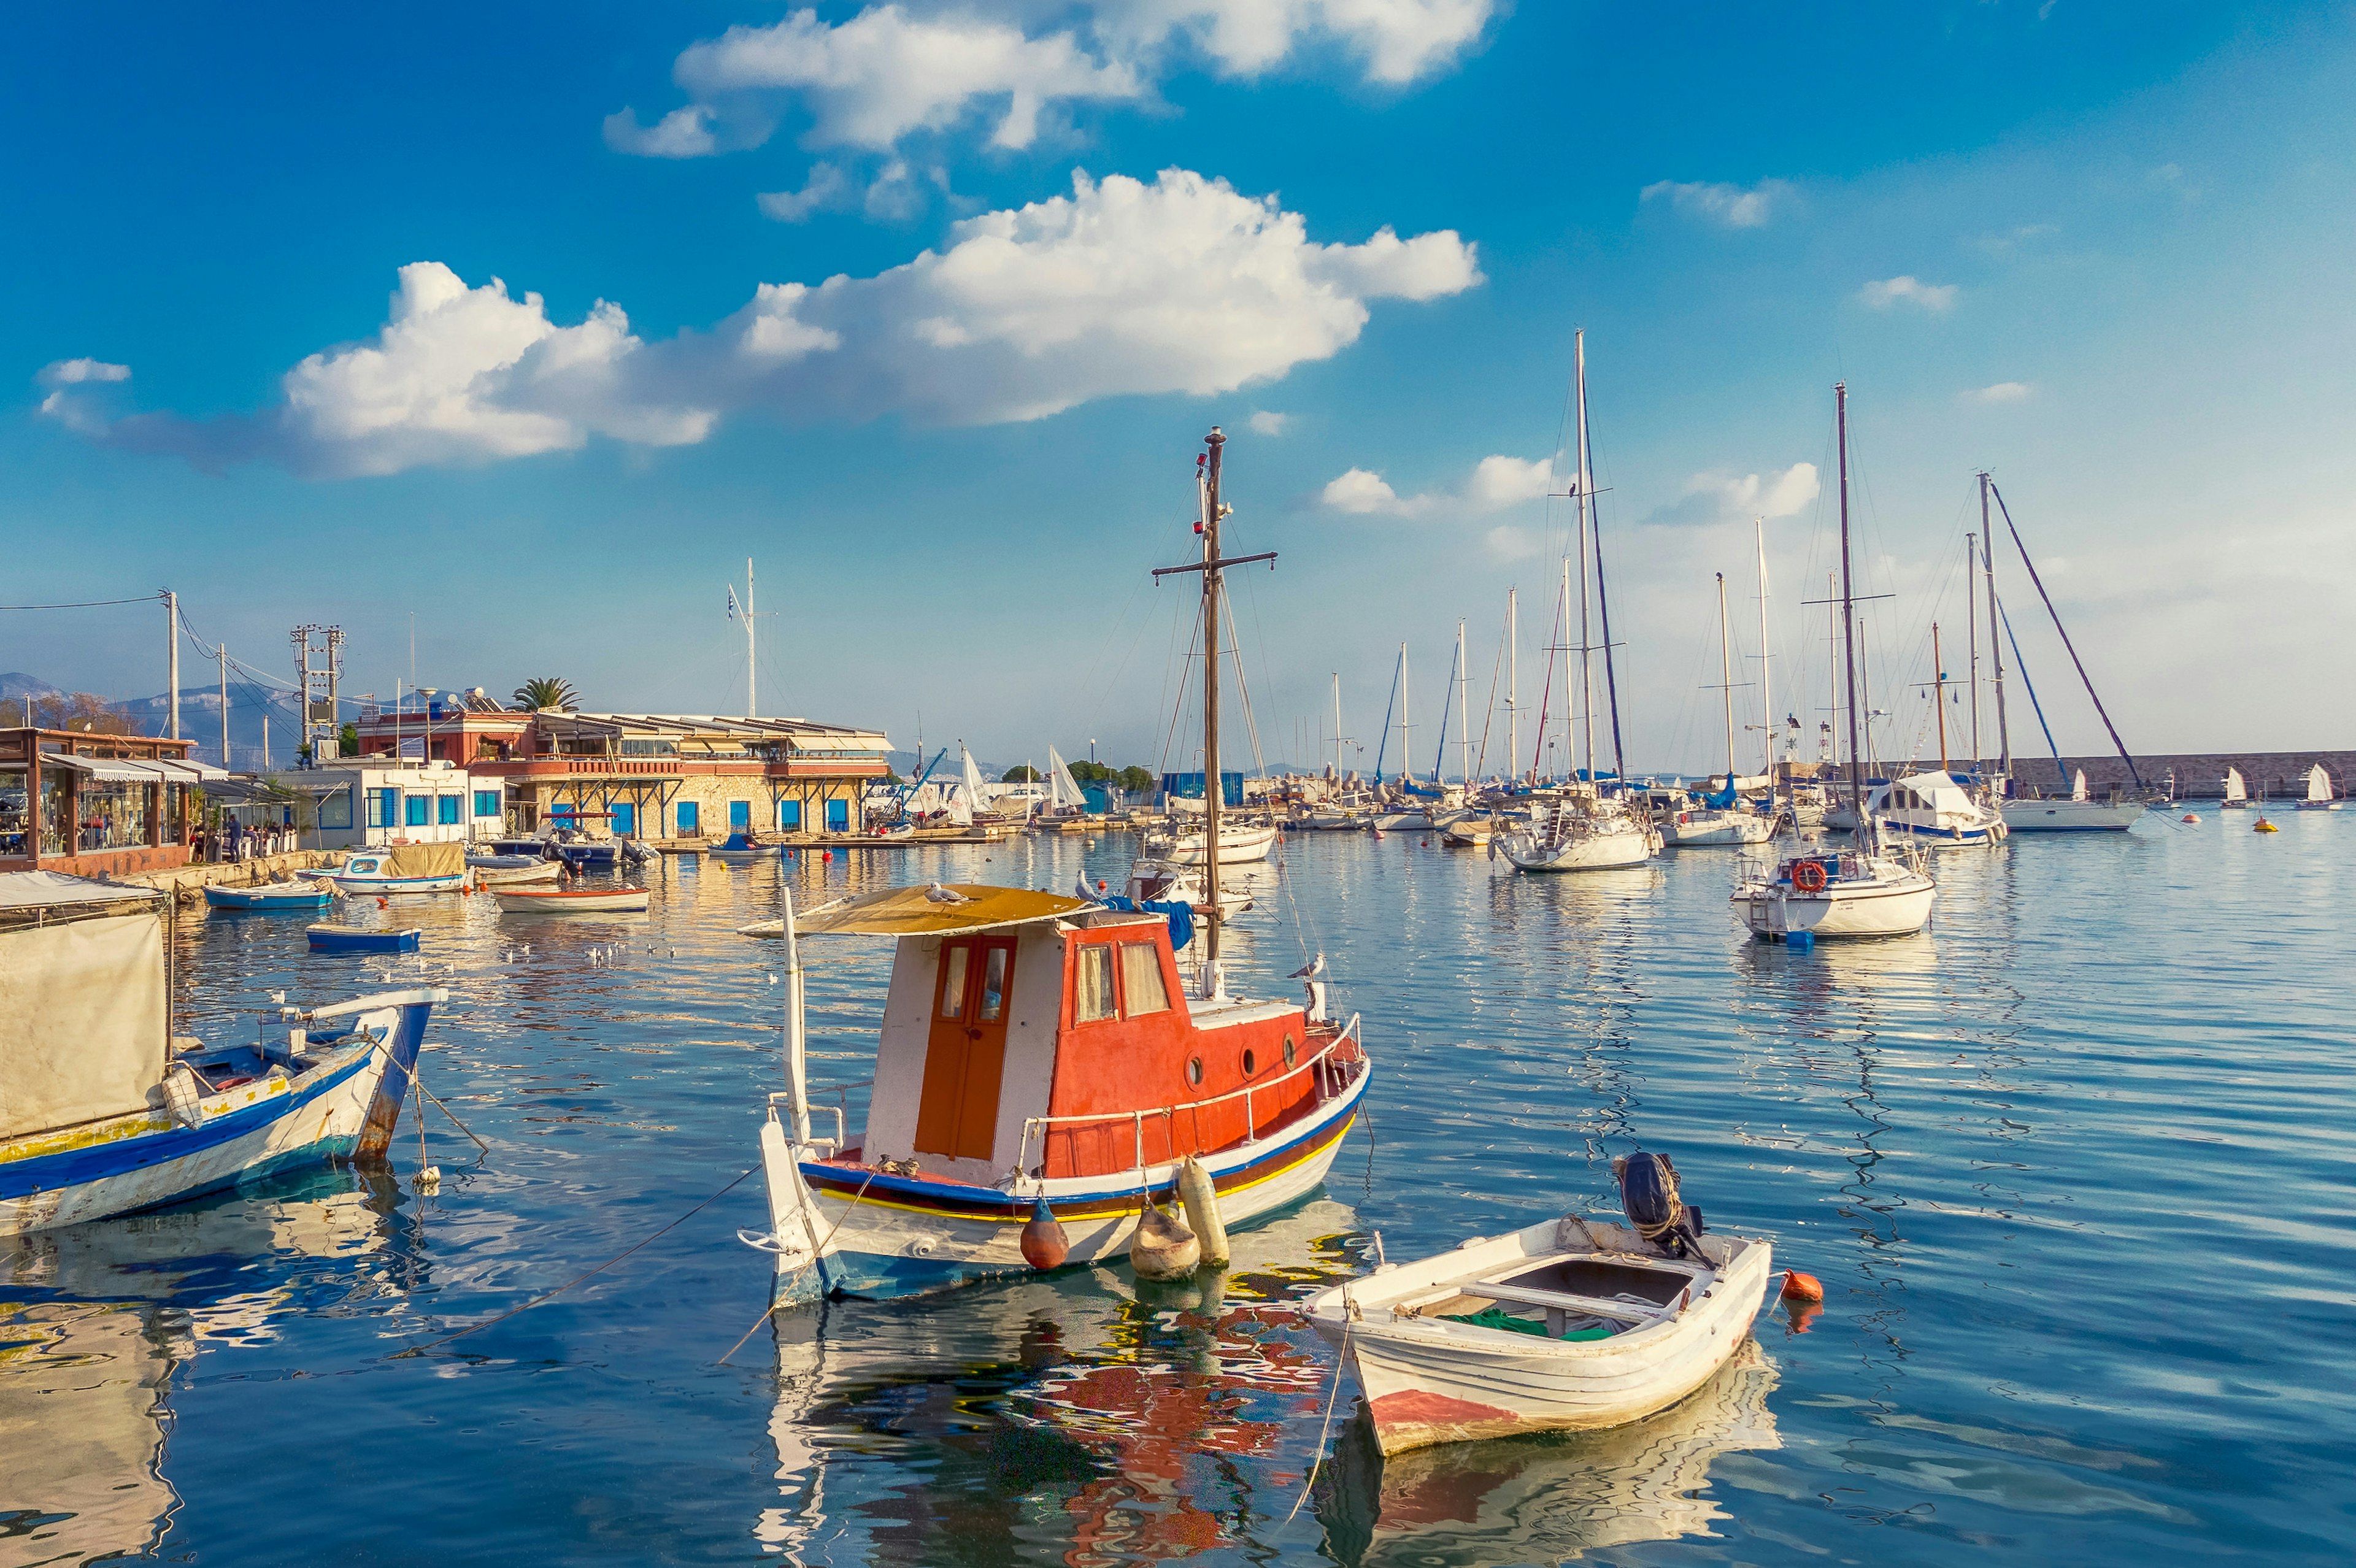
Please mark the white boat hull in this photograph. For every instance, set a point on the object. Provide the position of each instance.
(1841, 910)
(619, 901)
(2071, 815)
(1716, 829)
(1599, 852)
(881, 1236)
(1429, 1380)
(1237, 847)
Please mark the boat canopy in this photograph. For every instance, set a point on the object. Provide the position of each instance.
(936, 910)
(425, 859)
(84, 1023)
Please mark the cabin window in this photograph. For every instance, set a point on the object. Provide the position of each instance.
(1194, 1071)
(1251, 1062)
(1140, 980)
(993, 983)
(1092, 986)
(1291, 1052)
(953, 982)
(414, 808)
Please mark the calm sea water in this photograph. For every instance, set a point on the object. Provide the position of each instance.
(2074, 1169)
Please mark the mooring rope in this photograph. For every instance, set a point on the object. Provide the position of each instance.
(568, 1284)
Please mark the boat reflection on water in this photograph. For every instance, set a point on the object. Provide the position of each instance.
(1547, 1498)
(1079, 1415)
(96, 1321)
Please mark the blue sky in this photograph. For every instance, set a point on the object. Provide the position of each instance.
(2102, 251)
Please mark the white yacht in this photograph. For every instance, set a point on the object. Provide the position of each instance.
(1579, 830)
(2080, 813)
(1934, 809)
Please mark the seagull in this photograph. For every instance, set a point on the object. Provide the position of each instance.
(941, 895)
(1310, 970)
(1083, 891)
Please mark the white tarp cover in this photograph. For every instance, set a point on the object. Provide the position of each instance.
(27, 890)
(82, 1020)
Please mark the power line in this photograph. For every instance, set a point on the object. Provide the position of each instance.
(86, 603)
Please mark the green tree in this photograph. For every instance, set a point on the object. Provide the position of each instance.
(1136, 780)
(1019, 774)
(546, 691)
(348, 741)
(1088, 772)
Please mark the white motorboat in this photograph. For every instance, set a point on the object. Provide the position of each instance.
(571, 901)
(1844, 892)
(2320, 796)
(2078, 814)
(530, 872)
(1579, 830)
(1567, 1325)
(1708, 827)
(1934, 809)
(1165, 881)
(403, 869)
(1239, 845)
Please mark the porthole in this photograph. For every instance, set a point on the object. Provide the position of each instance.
(1251, 1063)
(1195, 1072)
(1290, 1050)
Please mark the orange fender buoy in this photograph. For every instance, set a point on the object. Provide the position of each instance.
(1798, 1287)
(1044, 1245)
(380, 904)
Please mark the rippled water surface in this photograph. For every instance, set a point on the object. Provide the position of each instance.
(2074, 1169)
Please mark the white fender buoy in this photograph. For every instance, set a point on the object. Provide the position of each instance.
(1201, 1197)
(1163, 1248)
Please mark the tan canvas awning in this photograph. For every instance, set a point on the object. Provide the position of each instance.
(936, 910)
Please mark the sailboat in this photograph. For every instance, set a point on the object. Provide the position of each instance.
(1852, 893)
(2319, 796)
(2237, 793)
(1043, 1073)
(1721, 820)
(1580, 826)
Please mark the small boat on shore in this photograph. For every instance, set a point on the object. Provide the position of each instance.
(403, 869)
(296, 893)
(326, 938)
(571, 901)
(740, 846)
(1567, 1325)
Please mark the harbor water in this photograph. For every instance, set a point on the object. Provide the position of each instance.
(2072, 1168)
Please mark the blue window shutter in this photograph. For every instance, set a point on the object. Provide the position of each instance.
(739, 816)
(789, 816)
(445, 811)
(626, 816)
(838, 816)
(688, 820)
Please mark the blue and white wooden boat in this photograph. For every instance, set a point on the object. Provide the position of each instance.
(298, 894)
(740, 846)
(104, 1111)
(326, 938)
(1038, 1049)
(403, 869)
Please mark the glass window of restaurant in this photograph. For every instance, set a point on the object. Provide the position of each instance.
(112, 813)
(57, 812)
(16, 816)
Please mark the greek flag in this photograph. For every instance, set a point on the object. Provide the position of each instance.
(733, 612)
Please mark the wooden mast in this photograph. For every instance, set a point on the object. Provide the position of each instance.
(1213, 789)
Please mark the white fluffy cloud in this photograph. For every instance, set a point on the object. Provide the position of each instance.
(1907, 289)
(1730, 205)
(1717, 498)
(1495, 482)
(2001, 393)
(1122, 287)
(1265, 422)
(891, 70)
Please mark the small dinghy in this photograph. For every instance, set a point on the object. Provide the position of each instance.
(362, 939)
(529, 871)
(740, 847)
(571, 901)
(289, 895)
(1569, 1324)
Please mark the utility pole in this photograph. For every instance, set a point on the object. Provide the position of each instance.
(172, 658)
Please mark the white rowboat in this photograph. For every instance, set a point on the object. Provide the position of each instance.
(1656, 1330)
(571, 901)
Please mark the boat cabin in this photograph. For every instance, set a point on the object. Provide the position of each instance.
(1025, 1032)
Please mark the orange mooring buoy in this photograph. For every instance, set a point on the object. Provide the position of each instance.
(1798, 1287)
(826, 854)
(1044, 1245)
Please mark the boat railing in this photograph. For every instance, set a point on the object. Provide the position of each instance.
(1330, 1080)
(841, 1135)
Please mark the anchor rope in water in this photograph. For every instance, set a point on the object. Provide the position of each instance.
(577, 1279)
(1333, 1397)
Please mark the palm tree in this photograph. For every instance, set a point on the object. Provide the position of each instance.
(546, 691)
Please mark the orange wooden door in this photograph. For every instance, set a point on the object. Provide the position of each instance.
(965, 1051)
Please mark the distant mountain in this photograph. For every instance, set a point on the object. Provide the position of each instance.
(16, 686)
(248, 703)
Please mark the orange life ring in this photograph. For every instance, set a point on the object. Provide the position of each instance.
(1808, 876)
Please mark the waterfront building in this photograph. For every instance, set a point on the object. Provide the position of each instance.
(372, 802)
(453, 727)
(94, 804)
(674, 775)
